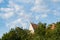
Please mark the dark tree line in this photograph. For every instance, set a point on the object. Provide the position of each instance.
(41, 33)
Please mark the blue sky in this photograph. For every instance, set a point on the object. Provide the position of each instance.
(21, 12)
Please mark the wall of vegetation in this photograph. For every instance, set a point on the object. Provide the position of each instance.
(41, 33)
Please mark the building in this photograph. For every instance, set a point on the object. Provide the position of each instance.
(53, 26)
(32, 27)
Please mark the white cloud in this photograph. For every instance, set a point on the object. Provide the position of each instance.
(15, 6)
(58, 19)
(16, 9)
(6, 9)
(1, 1)
(55, 0)
(40, 9)
(56, 13)
(24, 15)
(38, 2)
(13, 24)
(21, 14)
(7, 15)
(24, 25)
(44, 15)
(20, 22)
(8, 12)
(24, 1)
(37, 17)
(40, 6)
(12, 9)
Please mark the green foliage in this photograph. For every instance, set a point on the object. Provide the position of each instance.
(53, 34)
(41, 33)
(9, 36)
(0, 39)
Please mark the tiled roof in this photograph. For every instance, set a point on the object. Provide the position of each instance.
(35, 26)
(53, 26)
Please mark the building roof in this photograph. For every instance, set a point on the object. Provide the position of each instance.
(53, 26)
(35, 26)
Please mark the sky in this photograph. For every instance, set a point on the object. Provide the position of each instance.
(20, 13)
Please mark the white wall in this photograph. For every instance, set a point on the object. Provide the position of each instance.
(31, 28)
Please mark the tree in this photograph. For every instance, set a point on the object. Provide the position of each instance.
(41, 31)
(0, 39)
(58, 30)
(10, 35)
(22, 34)
(16, 34)
(53, 34)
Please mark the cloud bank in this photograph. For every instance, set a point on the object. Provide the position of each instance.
(22, 12)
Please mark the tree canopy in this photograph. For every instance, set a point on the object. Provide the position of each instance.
(41, 33)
